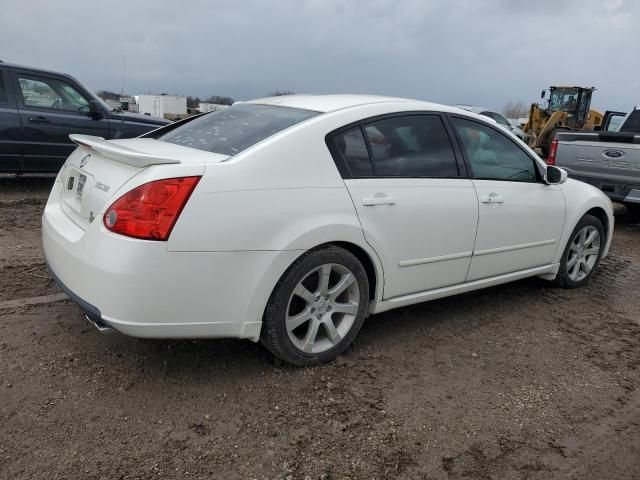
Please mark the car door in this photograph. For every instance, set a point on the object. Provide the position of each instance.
(416, 209)
(51, 108)
(520, 218)
(10, 128)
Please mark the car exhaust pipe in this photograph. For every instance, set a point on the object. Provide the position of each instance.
(100, 325)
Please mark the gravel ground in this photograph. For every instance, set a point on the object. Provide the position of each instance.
(522, 381)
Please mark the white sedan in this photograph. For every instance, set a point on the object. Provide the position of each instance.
(289, 220)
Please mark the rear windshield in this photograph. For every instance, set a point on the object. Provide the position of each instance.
(632, 123)
(236, 128)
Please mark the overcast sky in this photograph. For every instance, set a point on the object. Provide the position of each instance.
(482, 52)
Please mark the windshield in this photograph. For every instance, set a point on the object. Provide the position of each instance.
(563, 99)
(236, 128)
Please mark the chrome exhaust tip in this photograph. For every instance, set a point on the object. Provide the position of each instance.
(100, 325)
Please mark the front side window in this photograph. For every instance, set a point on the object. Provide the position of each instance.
(234, 129)
(411, 146)
(52, 94)
(491, 154)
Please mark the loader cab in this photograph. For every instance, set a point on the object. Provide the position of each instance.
(575, 101)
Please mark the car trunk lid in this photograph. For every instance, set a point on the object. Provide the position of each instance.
(98, 168)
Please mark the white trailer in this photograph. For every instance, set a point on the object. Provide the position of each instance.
(210, 107)
(161, 105)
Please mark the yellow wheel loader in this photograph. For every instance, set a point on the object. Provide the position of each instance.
(568, 109)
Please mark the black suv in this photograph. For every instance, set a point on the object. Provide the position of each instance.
(38, 111)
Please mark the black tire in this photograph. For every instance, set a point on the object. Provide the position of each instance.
(274, 335)
(563, 278)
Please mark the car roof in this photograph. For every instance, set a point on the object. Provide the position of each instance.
(33, 69)
(477, 110)
(331, 102)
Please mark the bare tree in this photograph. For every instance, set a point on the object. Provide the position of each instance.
(220, 100)
(279, 93)
(515, 109)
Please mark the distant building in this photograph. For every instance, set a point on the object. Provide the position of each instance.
(162, 106)
(211, 107)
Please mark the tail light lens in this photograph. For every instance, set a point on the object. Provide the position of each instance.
(151, 210)
(551, 159)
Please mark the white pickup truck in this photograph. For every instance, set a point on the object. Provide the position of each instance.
(609, 160)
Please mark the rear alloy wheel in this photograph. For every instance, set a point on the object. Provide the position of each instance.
(582, 254)
(317, 308)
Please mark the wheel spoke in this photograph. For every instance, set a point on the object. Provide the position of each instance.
(583, 237)
(332, 331)
(345, 282)
(348, 308)
(592, 251)
(310, 338)
(304, 294)
(325, 273)
(590, 237)
(297, 320)
(572, 261)
(574, 246)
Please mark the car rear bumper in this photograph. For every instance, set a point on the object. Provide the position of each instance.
(142, 289)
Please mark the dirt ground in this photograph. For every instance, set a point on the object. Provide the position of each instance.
(522, 381)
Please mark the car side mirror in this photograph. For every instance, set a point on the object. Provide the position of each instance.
(543, 93)
(95, 111)
(555, 175)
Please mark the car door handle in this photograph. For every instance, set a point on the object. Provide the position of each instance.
(38, 119)
(491, 198)
(378, 200)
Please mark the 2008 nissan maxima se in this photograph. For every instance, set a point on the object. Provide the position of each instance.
(289, 220)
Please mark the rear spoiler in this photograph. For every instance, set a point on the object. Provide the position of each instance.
(118, 152)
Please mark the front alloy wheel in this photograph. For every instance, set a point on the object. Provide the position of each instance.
(582, 254)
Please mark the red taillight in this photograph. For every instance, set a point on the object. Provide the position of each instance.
(151, 210)
(551, 159)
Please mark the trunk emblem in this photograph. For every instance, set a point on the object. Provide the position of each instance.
(91, 217)
(84, 160)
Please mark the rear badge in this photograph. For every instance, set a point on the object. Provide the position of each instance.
(91, 217)
(102, 186)
(84, 160)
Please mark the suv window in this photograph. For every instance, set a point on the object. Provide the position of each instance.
(3, 91)
(236, 128)
(51, 93)
(491, 154)
(411, 146)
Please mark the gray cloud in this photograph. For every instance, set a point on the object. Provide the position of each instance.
(469, 51)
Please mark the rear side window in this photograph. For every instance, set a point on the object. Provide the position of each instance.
(3, 90)
(232, 130)
(411, 146)
(352, 147)
(632, 123)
